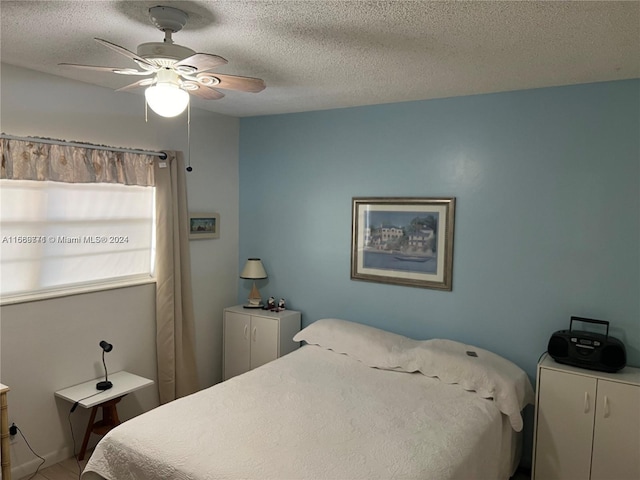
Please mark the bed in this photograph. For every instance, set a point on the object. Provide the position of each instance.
(353, 403)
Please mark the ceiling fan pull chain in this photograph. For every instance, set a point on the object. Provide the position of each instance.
(189, 169)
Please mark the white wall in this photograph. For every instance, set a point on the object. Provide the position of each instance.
(52, 344)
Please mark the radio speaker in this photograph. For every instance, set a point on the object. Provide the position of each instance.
(593, 351)
(613, 356)
(558, 347)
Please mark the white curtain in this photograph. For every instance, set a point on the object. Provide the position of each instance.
(175, 336)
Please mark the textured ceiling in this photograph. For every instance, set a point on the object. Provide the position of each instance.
(317, 55)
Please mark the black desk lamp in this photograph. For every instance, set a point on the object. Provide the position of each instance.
(106, 384)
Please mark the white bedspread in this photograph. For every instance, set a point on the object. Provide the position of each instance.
(313, 414)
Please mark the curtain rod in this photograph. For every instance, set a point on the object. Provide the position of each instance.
(49, 141)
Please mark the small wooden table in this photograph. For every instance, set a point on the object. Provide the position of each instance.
(88, 396)
(5, 455)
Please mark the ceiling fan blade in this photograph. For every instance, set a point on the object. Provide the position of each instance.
(124, 52)
(201, 62)
(207, 93)
(140, 83)
(233, 82)
(121, 71)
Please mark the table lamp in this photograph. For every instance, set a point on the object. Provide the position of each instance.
(105, 384)
(253, 270)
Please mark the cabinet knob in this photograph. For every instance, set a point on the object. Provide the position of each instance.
(254, 333)
(606, 407)
(246, 332)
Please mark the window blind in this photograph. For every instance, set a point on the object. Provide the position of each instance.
(58, 235)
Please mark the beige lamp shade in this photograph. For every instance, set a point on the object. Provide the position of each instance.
(254, 270)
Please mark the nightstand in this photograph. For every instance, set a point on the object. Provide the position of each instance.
(253, 337)
(587, 423)
(87, 396)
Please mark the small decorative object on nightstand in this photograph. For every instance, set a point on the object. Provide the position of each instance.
(271, 304)
(254, 270)
(253, 338)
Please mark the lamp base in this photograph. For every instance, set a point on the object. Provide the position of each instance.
(253, 306)
(104, 385)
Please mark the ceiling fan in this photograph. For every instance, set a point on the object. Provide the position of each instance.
(176, 71)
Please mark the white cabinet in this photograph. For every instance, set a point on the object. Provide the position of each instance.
(587, 424)
(253, 337)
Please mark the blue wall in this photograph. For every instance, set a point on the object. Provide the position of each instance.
(547, 224)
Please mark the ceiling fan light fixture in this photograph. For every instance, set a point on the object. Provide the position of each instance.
(166, 99)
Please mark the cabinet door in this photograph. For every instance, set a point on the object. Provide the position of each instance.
(616, 441)
(236, 344)
(264, 340)
(566, 405)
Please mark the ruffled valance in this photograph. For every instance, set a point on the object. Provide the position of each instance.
(31, 160)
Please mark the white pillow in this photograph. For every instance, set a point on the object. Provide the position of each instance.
(488, 374)
(372, 346)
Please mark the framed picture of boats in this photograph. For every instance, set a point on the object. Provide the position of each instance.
(403, 241)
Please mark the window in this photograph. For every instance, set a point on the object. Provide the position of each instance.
(58, 235)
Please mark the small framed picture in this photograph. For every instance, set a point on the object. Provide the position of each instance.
(204, 225)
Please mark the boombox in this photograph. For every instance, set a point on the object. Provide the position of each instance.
(586, 349)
